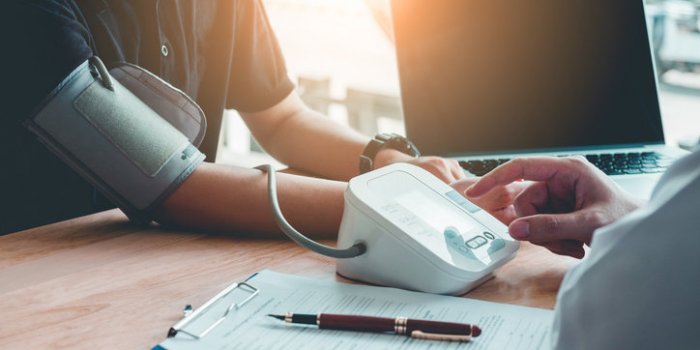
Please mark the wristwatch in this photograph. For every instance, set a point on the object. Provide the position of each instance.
(382, 141)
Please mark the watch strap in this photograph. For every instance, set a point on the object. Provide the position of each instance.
(382, 141)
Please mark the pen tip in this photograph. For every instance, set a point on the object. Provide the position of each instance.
(476, 331)
(279, 317)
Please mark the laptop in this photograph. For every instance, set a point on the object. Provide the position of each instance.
(487, 81)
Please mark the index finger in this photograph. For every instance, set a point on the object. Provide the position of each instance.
(533, 169)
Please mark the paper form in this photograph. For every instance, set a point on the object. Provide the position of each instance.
(503, 326)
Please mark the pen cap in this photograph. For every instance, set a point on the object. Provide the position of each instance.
(442, 327)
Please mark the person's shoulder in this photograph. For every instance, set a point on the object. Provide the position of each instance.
(16, 9)
(43, 41)
(26, 21)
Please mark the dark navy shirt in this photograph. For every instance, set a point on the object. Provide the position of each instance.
(222, 53)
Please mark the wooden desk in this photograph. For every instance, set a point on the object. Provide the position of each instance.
(98, 282)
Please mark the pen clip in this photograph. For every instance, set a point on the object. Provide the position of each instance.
(417, 334)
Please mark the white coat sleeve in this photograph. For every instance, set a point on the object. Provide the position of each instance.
(639, 288)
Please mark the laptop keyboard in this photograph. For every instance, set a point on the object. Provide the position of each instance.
(609, 163)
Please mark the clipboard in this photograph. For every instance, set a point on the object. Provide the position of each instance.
(191, 316)
(236, 317)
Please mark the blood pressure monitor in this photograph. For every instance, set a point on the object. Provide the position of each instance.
(419, 233)
(405, 228)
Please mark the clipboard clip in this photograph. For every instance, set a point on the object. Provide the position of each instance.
(191, 316)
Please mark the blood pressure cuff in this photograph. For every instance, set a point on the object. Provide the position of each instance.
(128, 133)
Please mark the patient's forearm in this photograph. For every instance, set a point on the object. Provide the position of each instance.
(306, 140)
(230, 199)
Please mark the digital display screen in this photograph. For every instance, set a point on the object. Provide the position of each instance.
(437, 216)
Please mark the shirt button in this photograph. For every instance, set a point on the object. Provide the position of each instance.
(164, 50)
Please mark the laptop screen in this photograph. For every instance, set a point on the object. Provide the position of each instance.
(480, 76)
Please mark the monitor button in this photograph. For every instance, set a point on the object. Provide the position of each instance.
(476, 242)
(496, 245)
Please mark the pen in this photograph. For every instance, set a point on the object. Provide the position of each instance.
(419, 329)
